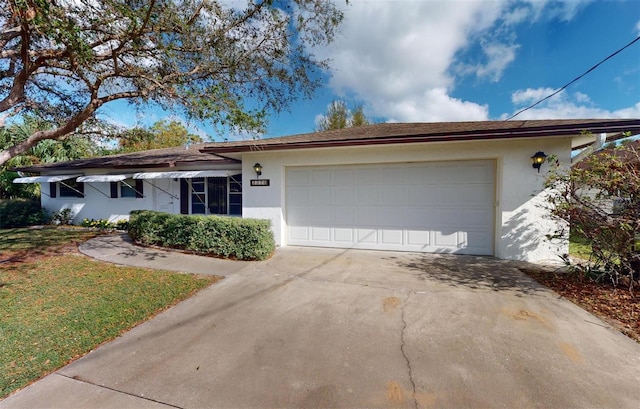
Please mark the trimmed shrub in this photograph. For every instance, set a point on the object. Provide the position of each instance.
(228, 237)
(21, 213)
(103, 224)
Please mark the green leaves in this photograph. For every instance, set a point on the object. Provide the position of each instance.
(207, 60)
(600, 198)
(229, 237)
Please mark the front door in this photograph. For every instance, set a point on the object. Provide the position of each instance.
(165, 198)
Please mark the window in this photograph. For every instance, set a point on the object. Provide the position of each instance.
(70, 188)
(235, 195)
(198, 196)
(127, 188)
(211, 195)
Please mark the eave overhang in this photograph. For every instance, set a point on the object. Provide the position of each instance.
(523, 129)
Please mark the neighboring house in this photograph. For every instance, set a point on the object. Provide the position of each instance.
(457, 187)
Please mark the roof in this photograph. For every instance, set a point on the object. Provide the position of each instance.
(626, 153)
(155, 158)
(393, 133)
(387, 133)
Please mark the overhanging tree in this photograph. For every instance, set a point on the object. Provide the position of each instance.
(230, 65)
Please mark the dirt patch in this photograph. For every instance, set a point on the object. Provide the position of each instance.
(390, 303)
(615, 305)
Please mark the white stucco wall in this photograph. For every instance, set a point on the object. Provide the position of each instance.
(521, 225)
(97, 203)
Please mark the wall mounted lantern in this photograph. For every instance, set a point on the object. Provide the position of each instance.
(538, 159)
(258, 168)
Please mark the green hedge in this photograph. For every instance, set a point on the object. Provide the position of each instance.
(229, 237)
(21, 213)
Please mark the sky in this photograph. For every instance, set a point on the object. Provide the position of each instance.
(468, 60)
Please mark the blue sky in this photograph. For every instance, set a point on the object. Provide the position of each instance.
(461, 60)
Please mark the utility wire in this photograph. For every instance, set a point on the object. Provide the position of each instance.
(574, 80)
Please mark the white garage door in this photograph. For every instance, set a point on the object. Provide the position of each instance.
(428, 207)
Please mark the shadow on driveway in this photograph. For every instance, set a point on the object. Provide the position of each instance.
(472, 272)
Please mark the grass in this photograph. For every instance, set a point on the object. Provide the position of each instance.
(56, 305)
(579, 246)
(41, 240)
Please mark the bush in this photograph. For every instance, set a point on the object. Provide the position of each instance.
(21, 213)
(229, 237)
(104, 224)
(62, 218)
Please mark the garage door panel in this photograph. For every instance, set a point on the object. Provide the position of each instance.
(392, 196)
(343, 235)
(391, 176)
(321, 234)
(298, 177)
(343, 177)
(367, 236)
(418, 237)
(366, 176)
(366, 216)
(298, 233)
(366, 195)
(299, 196)
(463, 193)
(430, 207)
(343, 195)
(446, 239)
(321, 195)
(321, 177)
(343, 215)
(392, 237)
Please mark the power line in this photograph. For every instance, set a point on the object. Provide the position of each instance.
(572, 81)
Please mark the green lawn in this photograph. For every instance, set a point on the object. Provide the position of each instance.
(59, 305)
(579, 247)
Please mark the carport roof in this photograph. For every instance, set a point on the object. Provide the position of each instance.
(393, 133)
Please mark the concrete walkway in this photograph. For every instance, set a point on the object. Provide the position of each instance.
(119, 249)
(327, 328)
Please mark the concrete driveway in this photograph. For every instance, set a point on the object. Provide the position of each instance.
(320, 328)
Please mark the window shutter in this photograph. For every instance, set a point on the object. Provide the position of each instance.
(184, 196)
(139, 188)
(114, 190)
(52, 189)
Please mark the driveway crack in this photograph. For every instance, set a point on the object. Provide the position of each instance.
(404, 352)
(78, 379)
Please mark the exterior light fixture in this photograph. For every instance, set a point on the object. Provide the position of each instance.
(538, 159)
(258, 168)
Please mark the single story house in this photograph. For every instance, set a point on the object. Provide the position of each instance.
(451, 187)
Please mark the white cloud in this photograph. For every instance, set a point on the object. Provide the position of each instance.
(434, 105)
(530, 95)
(638, 28)
(564, 106)
(400, 57)
(396, 56)
(498, 56)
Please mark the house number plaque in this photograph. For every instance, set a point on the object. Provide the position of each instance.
(259, 182)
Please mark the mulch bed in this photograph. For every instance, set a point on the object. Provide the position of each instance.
(617, 306)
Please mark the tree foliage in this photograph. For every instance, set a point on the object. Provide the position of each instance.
(339, 116)
(229, 63)
(162, 134)
(46, 151)
(599, 198)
